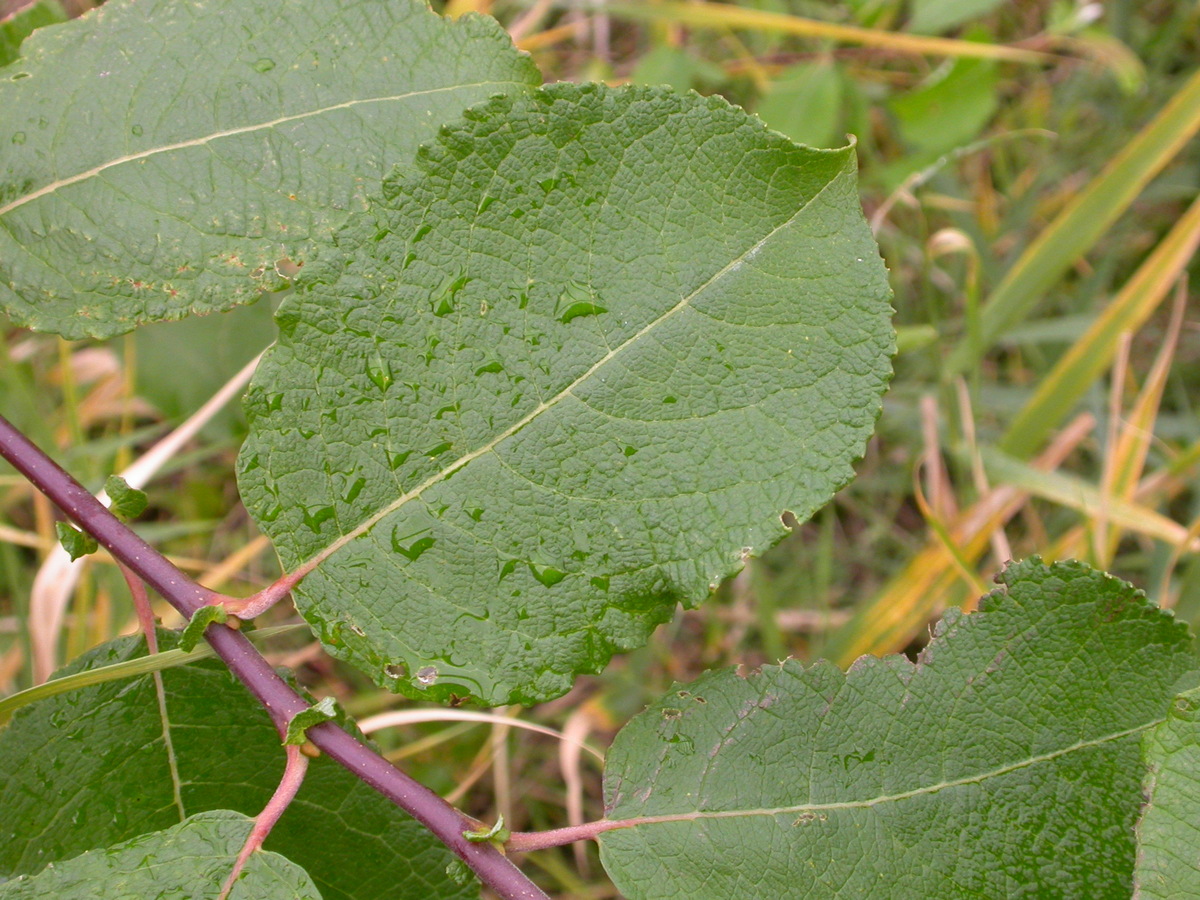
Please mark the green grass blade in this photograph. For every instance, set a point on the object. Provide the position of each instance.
(1079, 367)
(1077, 228)
(143, 665)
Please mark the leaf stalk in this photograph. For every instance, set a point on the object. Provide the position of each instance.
(255, 673)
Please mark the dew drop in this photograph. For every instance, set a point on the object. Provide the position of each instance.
(414, 550)
(577, 301)
(19, 137)
(314, 520)
(509, 566)
(379, 371)
(355, 490)
(547, 575)
(445, 295)
(137, 130)
(264, 65)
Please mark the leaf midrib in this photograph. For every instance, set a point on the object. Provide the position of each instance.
(444, 473)
(233, 132)
(978, 778)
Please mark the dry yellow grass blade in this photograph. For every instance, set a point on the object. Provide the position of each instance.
(1126, 460)
(1154, 490)
(907, 602)
(718, 15)
(550, 36)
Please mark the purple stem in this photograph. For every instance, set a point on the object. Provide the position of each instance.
(248, 665)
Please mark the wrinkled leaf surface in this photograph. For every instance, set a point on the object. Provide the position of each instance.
(1006, 762)
(189, 861)
(1168, 859)
(160, 158)
(562, 379)
(90, 768)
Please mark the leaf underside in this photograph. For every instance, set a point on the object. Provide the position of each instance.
(189, 861)
(564, 377)
(1006, 762)
(162, 158)
(89, 769)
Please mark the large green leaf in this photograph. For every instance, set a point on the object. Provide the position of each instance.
(564, 378)
(189, 861)
(1005, 762)
(89, 769)
(1168, 864)
(161, 158)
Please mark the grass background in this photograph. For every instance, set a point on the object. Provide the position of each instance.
(1032, 175)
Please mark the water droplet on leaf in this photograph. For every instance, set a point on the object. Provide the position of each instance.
(264, 65)
(414, 550)
(379, 371)
(577, 301)
(547, 575)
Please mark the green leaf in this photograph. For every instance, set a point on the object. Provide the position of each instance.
(89, 769)
(127, 503)
(1168, 833)
(948, 110)
(805, 103)
(563, 379)
(299, 724)
(15, 29)
(193, 631)
(164, 158)
(497, 832)
(75, 542)
(179, 366)
(1008, 756)
(190, 860)
(676, 67)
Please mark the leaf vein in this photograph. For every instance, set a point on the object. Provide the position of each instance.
(568, 391)
(204, 140)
